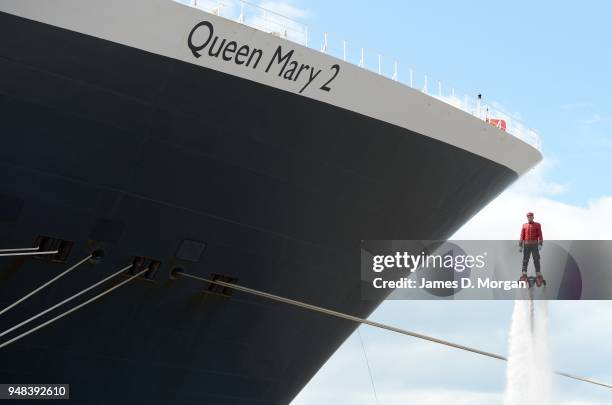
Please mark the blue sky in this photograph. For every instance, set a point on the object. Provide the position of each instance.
(546, 62)
(549, 63)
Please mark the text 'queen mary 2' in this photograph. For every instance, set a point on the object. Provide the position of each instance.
(171, 138)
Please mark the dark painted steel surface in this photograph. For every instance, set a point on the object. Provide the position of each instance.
(112, 147)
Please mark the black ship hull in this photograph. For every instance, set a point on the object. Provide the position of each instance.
(110, 147)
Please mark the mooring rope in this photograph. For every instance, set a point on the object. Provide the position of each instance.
(365, 356)
(71, 310)
(30, 249)
(54, 279)
(67, 300)
(28, 253)
(371, 323)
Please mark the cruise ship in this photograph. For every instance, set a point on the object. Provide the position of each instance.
(163, 139)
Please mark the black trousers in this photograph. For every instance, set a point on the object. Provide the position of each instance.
(531, 249)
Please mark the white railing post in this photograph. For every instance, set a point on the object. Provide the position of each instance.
(324, 47)
(217, 10)
(468, 103)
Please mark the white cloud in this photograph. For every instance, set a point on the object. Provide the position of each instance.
(412, 371)
(502, 218)
(535, 183)
(581, 402)
(596, 119)
(421, 397)
(409, 371)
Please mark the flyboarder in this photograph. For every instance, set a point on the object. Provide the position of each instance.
(530, 243)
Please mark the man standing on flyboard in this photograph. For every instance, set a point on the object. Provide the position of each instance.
(530, 244)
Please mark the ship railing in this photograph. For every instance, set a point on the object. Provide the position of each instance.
(277, 24)
(254, 16)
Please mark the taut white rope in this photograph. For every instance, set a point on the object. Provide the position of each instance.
(54, 279)
(14, 253)
(371, 323)
(20, 250)
(71, 310)
(64, 301)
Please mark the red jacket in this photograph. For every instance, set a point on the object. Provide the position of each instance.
(532, 232)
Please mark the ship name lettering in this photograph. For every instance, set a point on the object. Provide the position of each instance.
(203, 33)
(203, 41)
(292, 69)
